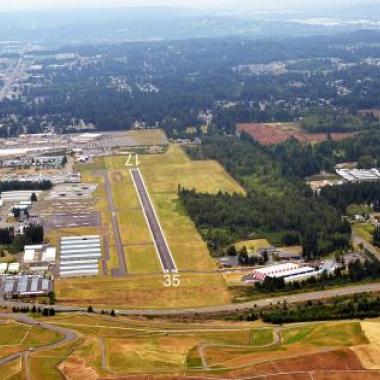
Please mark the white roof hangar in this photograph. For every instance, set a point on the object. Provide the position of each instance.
(288, 271)
(80, 256)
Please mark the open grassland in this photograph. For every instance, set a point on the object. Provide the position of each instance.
(143, 291)
(114, 347)
(253, 245)
(163, 173)
(16, 336)
(147, 137)
(11, 370)
(364, 230)
(369, 354)
(275, 133)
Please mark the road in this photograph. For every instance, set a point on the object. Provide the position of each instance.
(356, 239)
(166, 258)
(122, 270)
(68, 336)
(296, 298)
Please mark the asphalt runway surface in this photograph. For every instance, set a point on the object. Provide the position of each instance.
(122, 270)
(162, 247)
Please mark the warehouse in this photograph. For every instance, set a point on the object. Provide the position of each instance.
(18, 195)
(80, 256)
(288, 271)
(39, 254)
(25, 286)
(359, 175)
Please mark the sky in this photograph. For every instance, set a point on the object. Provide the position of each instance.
(11, 5)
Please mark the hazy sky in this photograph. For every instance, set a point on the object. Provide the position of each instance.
(283, 4)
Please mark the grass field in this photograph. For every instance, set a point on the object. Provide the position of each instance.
(364, 230)
(253, 245)
(11, 370)
(229, 349)
(163, 173)
(118, 347)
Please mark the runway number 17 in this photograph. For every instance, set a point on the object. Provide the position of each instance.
(171, 280)
(129, 159)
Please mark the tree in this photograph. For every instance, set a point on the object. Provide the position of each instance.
(231, 251)
(366, 162)
(376, 237)
(33, 197)
(90, 309)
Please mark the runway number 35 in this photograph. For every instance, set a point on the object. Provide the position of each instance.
(171, 280)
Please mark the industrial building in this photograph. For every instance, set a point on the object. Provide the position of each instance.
(79, 256)
(359, 175)
(39, 254)
(18, 196)
(290, 272)
(24, 286)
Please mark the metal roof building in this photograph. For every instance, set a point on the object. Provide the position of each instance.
(80, 256)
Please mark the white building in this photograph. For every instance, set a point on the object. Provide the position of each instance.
(80, 256)
(3, 268)
(359, 175)
(290, 272)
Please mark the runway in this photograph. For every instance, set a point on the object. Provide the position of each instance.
(166, 259)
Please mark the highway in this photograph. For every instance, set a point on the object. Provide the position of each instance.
(167, 262)
(222, 309)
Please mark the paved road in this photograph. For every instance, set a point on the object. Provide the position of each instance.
(296, 298)
(68, 336)
(122, 270)
(162, 247)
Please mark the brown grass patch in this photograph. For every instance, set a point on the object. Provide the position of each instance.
(76, 368)
(275, 133)
(339, 360)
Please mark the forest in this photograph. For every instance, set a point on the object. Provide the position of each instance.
(273, 202)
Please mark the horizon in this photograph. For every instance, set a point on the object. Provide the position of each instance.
(221, 5)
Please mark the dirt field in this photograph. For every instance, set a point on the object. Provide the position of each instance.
(275, 133)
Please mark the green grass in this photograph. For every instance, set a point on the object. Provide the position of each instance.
(12, 333)
(335, 335)
(295, 335)
(262, 337)
(364, 230)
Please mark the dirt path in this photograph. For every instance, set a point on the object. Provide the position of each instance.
(103, 351)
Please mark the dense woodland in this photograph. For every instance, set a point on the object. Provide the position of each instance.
(273, 202)
(25, 185)
(364, 193)
(357, 307)
(33, 234)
